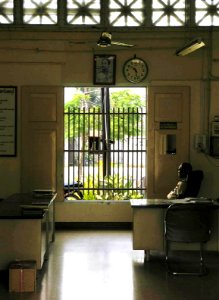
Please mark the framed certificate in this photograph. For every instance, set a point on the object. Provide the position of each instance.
(104, 69)
(8, 121)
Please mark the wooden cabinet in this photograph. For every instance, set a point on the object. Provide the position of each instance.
(25, 237)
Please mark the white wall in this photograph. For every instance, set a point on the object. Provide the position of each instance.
(37, 58)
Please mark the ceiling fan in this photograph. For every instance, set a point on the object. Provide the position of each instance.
(105, 40)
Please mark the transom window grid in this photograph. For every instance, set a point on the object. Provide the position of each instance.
(83, 12)
(168, 13)
(207, 12)
(7, 12)
(126, 12)
(110, 13)
(40, 12)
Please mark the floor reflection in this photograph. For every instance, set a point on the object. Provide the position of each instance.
(101, 265)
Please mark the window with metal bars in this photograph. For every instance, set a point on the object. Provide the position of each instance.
(105, 143)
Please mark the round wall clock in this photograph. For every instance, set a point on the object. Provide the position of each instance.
(135, 70)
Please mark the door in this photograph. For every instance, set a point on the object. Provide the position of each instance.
(168, 135)
(42, 138)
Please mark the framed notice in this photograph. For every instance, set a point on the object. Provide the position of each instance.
(8, 120)
(104, 69)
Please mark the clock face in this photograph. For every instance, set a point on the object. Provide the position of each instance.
(135, 70)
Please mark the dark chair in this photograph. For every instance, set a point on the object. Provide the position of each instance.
(187, 223)
(194, 183)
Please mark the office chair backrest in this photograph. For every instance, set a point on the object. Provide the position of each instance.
(194, 183)
(188, 222)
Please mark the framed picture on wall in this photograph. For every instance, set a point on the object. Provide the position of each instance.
(8, 120)
(104, 69)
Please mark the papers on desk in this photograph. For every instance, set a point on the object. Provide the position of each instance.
(167, 202)
(42, 193)
(199, 200)
(40, 202)
(34, 208)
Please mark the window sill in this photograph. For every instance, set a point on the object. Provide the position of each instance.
(96, 201)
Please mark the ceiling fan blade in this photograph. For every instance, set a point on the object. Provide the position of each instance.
(121, 44)
(105, 40)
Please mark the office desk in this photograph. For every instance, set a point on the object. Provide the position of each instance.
(148, 225)
(26, 228)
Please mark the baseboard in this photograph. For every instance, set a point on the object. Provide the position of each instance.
(94, 225)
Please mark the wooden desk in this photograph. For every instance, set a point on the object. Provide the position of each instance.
(26, 229)
(148, 225)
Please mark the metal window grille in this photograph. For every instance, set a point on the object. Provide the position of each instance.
(105, 153)
(40, 12)
(115, 13)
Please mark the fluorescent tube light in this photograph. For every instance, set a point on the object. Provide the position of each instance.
(190, 47)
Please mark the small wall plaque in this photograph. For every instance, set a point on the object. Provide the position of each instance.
(168, 125)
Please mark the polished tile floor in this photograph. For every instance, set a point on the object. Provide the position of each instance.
(101, 265)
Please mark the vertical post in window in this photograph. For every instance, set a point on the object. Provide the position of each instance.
(99, 155)
(112, 138)
(133, 146)
(73, 116)
(94, 147)
(137, 151)
(79, 141)
(128, 142)
(83, 145)
(118, 140)
(142, 163)
(106, 131)
(69, 145)
(87, 158)
(123, 144)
